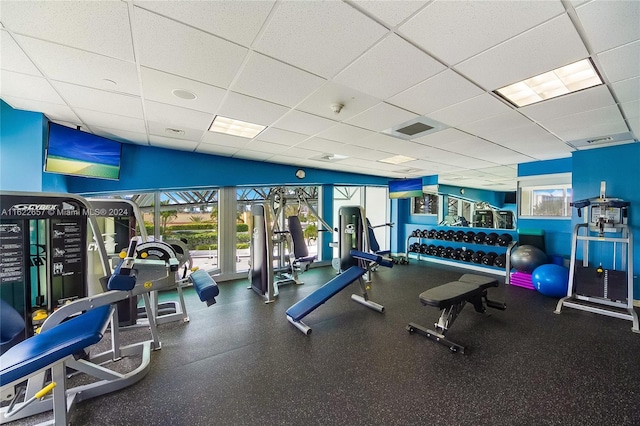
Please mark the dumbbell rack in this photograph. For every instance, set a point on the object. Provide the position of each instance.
(455, 244)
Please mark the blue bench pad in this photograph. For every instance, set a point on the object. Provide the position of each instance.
(324, 293)
(454, 292)
(205, 286)
(53, 345)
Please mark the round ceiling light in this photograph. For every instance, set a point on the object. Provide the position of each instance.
(184, 94)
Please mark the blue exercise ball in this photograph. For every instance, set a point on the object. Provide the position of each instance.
(527, 258)
(551, 280)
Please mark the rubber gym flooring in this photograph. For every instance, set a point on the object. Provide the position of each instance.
(240, 362)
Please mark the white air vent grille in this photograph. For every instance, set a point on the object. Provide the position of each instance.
(415, 128)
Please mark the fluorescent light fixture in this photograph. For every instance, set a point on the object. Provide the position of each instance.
(568, 79)
(397, 159)
(233, 127)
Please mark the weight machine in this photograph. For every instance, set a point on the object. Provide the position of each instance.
(606, 289)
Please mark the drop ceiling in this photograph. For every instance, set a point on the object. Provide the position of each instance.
(112, 67)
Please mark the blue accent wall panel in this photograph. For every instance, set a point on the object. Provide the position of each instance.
(326, 210)
(546, 167)
(148, 168)
(21, 150)
(557, 234)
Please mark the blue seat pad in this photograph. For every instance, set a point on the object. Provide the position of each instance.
(324, 293)
(53, 345)
(372, 257)
(205, 286)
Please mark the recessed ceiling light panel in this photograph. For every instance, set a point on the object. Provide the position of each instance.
(234, 127)
(561, 81)
(397, 159)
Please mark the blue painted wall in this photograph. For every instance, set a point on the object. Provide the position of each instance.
(619, 167)
(146, 168)
(21, 149)
(557, 232)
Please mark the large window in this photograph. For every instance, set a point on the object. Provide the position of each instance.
(546, 197)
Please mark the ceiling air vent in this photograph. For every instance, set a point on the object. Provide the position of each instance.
(597, 142)
(415, 128)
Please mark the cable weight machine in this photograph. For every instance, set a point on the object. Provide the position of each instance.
(607, 241)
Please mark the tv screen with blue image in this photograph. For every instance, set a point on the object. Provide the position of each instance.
(405, 188)
(77, 153)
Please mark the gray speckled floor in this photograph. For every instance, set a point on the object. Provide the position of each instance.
(240, 362)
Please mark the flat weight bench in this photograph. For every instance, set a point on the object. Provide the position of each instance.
(451, 299)
(205, 286)
(301, 309)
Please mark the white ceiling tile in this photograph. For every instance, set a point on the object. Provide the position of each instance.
(542, 148)
(172, 47)
(281, 137)
(456, 30)
(95, 26)
(252, 110)
(301, 122)
(171, 143)
(83, 68)
(275, 81)
(224, 151)
(158, 86)
(300, 152)
(237, 21)
(440, 91)
(627, 90)
(573, 103)
(391, 12)
(388, 144)
(121, 135)
(622, 62)
(478, 108)
(224, 140)
(609, 24)
(13, 58)
(530, 132)
(529, 54)
(55, 112)
(442, 138)
(631, 108)
(503, 171)
(484, 150)
(28, 87)
(247, 154)
(99, 100)
(488, 126)
(319, 144)
(344, 133)
(392, 56)
(381, 117)
(160, 129)
(177, 117)
(265, 147)
(593, 123)
(320, 37)
(117, 122)
(320, 102)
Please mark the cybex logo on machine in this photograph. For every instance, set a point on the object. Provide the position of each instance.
(155, 253)
(65, 209)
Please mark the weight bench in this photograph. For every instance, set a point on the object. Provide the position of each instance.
(301, 309)
(451, 299)
(205, 286)
(53, 349)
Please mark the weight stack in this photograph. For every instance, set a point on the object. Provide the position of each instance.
(522, 279)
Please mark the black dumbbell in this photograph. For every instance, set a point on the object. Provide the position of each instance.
(440, 251)
(491, 239)
(469, 236)
(479, 238)
(466, 255)
(504, 240)
(489, 258)
(459, 236)
(500, 261)
(432, 250)
(440, 234)
(432, 234)
(477, 256)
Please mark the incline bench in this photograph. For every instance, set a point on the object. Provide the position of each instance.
(451, 299)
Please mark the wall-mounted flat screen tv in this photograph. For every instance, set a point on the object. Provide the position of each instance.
(77, 153)
(405, 188)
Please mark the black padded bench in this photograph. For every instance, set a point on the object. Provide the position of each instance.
(451, 299)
